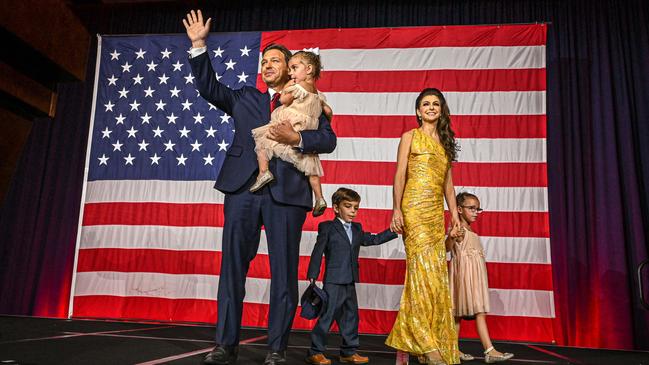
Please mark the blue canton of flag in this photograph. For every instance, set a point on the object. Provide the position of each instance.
(150, 122)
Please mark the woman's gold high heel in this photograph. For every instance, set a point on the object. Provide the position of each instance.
(423, 359)
(436, 362)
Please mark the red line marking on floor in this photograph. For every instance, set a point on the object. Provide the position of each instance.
(551, 353)
(155, 338)
(176, 357)
(196, 352)
(81, 334)
(254, 339)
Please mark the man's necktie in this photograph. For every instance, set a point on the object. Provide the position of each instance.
(348, 229)
(273, 102)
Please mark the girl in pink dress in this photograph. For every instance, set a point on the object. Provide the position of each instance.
(468, 276)
(302, 105)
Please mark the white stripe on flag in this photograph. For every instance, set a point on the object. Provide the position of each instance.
(518, 250)
(471, 150)
(495, 199)
(433, 58)
(460, 103)
(512, 302)
(161, 191)
(523, 303)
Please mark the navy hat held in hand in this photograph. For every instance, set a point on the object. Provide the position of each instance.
(313, 301)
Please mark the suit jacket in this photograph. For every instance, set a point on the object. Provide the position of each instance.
(250, 109)
(341, 257)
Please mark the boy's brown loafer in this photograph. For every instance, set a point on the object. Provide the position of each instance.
(318, 359)
(355, 359)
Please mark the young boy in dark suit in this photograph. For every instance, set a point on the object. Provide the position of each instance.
(340, 240)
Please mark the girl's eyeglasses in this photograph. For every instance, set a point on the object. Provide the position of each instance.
(472, 208)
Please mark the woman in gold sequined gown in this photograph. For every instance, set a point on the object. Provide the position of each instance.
(425, 325)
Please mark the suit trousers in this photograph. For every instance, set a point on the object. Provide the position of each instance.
(245, 212)
(342, 306)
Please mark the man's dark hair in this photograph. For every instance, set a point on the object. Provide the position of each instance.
(279, 47)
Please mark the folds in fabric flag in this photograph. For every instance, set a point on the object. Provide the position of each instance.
(151, 224)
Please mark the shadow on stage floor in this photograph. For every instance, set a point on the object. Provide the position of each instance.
(28, 340)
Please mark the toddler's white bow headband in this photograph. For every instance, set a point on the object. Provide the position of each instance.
(315, 50)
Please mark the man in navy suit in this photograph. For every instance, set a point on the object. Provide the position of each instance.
(340, 240)
(281, 206)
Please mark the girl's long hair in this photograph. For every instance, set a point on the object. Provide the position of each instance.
(444, 131)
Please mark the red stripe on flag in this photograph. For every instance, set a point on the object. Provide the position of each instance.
(464, 173)
(157, 214)
(256, 315)
(512, 174)
(150, 308)
(372, 126)
(464, 126)
(498, 224)
(409, 37)
(511, 224)
(447, 80)
(520, 276)
(371, 270)
(149, 260)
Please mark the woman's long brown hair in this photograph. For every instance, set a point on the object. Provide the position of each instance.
(444, 131)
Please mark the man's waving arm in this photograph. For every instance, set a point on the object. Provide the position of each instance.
(206, 82)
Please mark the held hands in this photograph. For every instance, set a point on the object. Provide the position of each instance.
(396, 225)
(457, 233)
(197, 30)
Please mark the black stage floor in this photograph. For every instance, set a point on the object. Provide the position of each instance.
(28, 340)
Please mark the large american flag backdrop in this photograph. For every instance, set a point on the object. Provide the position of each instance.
(151, 222)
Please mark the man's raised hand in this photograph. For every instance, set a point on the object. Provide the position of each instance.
(197, 30)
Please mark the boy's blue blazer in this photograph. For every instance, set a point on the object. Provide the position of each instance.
(341, 257)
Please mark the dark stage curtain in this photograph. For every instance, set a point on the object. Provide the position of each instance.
(598, 148)
(39, 217)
